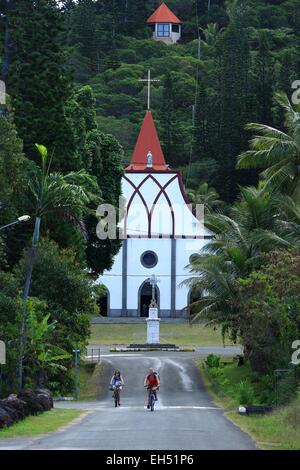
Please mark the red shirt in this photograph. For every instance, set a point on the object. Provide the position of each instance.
(152, 380)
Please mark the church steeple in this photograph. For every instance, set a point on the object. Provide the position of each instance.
(148, 154)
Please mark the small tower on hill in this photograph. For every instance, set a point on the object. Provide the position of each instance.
(165, 25)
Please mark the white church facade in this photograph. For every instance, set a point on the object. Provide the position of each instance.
(160, 233)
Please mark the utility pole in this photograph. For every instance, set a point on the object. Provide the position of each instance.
(76, 352)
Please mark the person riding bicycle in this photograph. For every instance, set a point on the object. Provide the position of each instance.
(117, 381)
(152, 382)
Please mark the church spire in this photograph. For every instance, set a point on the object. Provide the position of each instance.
(148, 154)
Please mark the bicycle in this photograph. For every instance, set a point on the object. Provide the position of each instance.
(116, 394)
(151, 397)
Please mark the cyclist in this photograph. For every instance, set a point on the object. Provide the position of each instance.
(152, 381)
(117, 382)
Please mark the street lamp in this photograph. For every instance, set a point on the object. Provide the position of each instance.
(20, 220)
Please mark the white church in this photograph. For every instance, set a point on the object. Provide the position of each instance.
(160, 233)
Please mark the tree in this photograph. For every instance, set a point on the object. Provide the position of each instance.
(233, 66)
(11, 184)
(65, 195)
(68, 291)
(201, 138)
(270, 312)
(9, 330)
(264, 80)
(106, 156)
(103, 157)
(11, 159)
(38, 79)
(168, 120)
(276, 151)
(238, 246)
(41, 356)
(206, 196)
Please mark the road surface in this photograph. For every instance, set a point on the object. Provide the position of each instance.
(185, 417)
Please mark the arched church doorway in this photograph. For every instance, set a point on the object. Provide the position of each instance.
(103, 303)
(145, 296)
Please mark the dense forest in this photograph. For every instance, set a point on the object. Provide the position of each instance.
(232, 57)
(74, 106)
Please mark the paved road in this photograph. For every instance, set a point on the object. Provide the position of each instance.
(185, 417)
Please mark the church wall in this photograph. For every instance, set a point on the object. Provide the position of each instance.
(137, 273)
(113, 281)
(185, 248)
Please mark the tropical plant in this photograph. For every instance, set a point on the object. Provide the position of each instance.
(206, 196)
(41, 355)
(238, 246)
(65, 196)
(276, 151)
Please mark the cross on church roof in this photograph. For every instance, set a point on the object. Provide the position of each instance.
(149, 80)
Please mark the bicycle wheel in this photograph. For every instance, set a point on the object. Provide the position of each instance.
(152, 401)
(116, 398)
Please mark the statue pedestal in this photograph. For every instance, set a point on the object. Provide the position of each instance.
(153, 326)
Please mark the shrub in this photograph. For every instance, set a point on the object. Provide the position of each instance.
(245, 393)
(212, 361)
(293, 416)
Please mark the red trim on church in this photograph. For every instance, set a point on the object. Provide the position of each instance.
(147, 141)
(163, 14)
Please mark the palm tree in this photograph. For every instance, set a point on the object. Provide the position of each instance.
(206, 196)
(237, 248)
(66, 196)
(276, 151)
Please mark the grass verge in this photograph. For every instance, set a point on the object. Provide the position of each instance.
(89, 381)
(44, 423)
(278, 430)
(179, 334)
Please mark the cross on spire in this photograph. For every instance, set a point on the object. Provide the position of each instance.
(149, 80)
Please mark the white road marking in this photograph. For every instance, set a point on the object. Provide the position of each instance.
(112, 355)
(187, 383)
(158, 407)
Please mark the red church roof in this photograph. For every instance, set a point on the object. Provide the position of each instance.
(147, 141)
(163, 14)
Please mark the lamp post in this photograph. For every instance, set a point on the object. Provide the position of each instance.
(76, 352)
(20, 220)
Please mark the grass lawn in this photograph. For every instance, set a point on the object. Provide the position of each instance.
(89, 378)
(277, 430)
(41, 424)
(179, 334)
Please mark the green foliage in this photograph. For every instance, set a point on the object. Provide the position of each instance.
(10, 306)
(270, 309)
(41, 357)
(207, 197)
(245, 393)
(276, 151)
(38, 80)
(11, 182)
(212, 361)
(207, 92)
(59, 281)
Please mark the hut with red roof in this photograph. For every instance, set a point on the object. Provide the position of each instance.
(165, 25)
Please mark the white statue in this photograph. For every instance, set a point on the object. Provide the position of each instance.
(149, 159)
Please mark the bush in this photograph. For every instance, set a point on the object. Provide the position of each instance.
(293, 416)
(212, 361)
(286, 387)
(245, 393)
